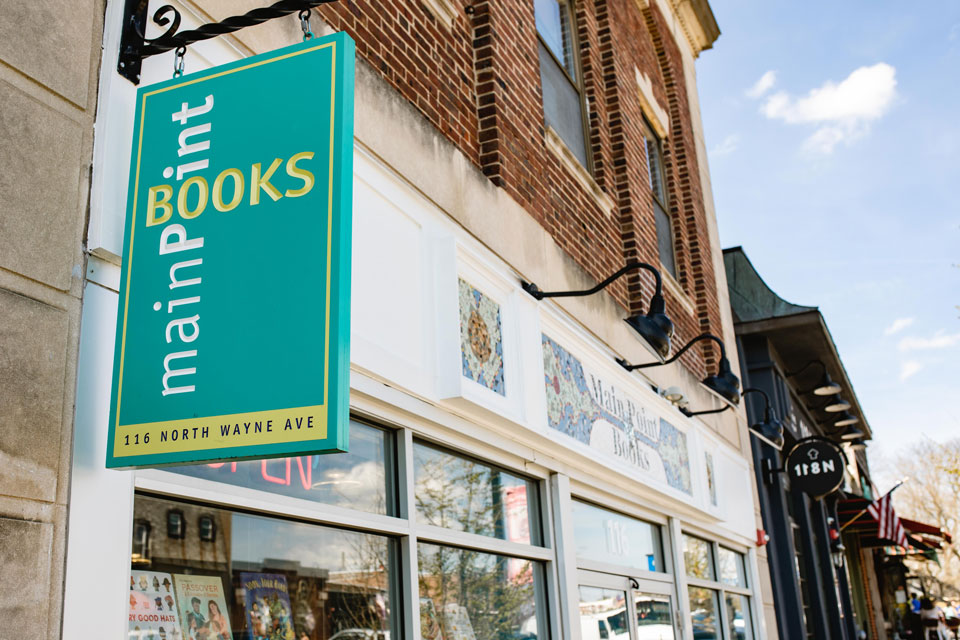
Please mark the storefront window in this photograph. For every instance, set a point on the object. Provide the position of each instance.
(250, 576)
(356, 480)
(473, 594)
(703, 613)
(609, 537)
(463, 494)
(738, 616)
(731, 568)
(603, 613)
(713, 601)
(698, 558)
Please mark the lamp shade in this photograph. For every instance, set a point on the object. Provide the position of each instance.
(826, 386)
(836, 404)
(724, 383)
(654, 327)
(851, 434)
(770, 430)
(845, 419)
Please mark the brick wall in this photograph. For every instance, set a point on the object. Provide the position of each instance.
(478, 82)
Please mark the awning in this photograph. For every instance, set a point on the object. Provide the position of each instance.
(921, 537)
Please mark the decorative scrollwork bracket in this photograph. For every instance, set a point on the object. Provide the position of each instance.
(135, 46)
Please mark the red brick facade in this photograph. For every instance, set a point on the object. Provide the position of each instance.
(479, 84)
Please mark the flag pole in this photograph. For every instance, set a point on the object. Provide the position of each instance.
(864, 510)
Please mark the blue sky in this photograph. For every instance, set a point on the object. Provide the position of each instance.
(833, 131)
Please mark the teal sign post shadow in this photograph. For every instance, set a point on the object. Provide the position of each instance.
(233, 323)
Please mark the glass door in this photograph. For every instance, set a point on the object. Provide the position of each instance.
(614, 607)
(654, 615)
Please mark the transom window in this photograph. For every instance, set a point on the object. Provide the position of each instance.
(718, 591)
(563, 103)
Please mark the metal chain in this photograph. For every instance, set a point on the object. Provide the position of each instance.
(305, 25)
(178, 56)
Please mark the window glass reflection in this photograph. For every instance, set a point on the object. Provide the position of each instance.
(466, 495)
(472, 594)
(654, 617)
(698, 558)
(258, 578)
(603, 614)
(703, 613)
(738, 614)
(607, 536)
(731, 567)
(553, 24)
(356, 480)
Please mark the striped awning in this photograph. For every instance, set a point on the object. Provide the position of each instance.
(921, 537)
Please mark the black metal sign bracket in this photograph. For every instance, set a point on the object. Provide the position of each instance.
(135, 46)
(770, 473)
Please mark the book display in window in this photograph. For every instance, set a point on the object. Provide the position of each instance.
(266, 603)
(153, 611)
(203, 607)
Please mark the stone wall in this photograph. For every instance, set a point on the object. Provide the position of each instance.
(49, 61)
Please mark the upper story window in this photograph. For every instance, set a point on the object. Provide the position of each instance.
(655, 169)
(563, 105)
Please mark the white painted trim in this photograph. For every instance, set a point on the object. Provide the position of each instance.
(568, 593)
(231, 496)
(683, 597)
(445, 11)
(652, 109)
(462, 539)
(559, 148)
(410, 559)
(670, 284)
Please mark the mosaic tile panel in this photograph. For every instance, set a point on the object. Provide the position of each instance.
(577, 407)
(481, 339)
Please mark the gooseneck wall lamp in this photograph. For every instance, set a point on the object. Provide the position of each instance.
(724, 383)
(769, 430)
(825, 387)
(654, 326)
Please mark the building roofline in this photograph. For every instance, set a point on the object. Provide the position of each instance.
(786, 325)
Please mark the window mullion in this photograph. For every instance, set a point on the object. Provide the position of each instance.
(566, 558)
(680, 571)
(409, 563)
(726, 631)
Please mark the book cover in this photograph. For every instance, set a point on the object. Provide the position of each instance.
(203, 607)
(153, 611)
(266, 602)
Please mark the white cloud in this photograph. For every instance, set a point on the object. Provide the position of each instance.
(909, 368)
(764, 84)
(729, 145)
(843, 111)
(898, 325)
(939, 340)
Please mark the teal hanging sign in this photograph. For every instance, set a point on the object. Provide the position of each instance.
(233, 321)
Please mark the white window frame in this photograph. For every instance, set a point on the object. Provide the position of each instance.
(721, 587)
(403, 527)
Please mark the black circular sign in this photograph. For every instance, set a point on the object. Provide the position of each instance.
(816, 466)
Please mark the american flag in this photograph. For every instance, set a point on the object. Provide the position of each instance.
(890, 528)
